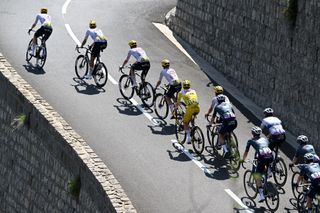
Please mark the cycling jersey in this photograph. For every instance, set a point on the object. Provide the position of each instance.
(214, 101)
(225, 111)
(272, 125)
(45, 20)
(302, 150)
(190, 98)
(96, 35)
(311, 171)
(139, 54)
(170, 75)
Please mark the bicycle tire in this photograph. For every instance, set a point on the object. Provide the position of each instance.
(295, 189)
(214, 141)
(233, 135)
(209, 134)
(81, 66)
(302, 203)
(100, 74)
(179, 129)
(234, 157)
(28, 55)
(280, 172)
(272, 199)
(249, 184)
(147, 94)
(161, 107)
(43, 56)
(125, 87)
(197, 140)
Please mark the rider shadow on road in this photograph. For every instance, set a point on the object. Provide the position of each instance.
(126, 107)
(252, 205)
(218, 165)
(178, 156)
(162, 128)
(87, 89)
(34, 69)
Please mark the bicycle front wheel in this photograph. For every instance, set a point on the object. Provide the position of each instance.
(100, 74)
(295, 189)
(28, 55)
(302, 203)
(197, 140)
(280, 172)
(125, 86)
(250, 184)
(235, 155)
(161, 107)
(179, 129)
(147, 94)
(81, 66)
(272, 197)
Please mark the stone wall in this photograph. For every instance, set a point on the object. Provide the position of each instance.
(272, 59)
(41, 154)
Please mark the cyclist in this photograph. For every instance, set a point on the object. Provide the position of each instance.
(174, 82)
(142, 62)
(272, 128)
(228, 120)
(45, 30)
(262, 153)
(100, 43)
(218, 90)
(310, 170)
(190, 98)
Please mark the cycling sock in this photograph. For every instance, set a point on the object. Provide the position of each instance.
(261, 191)
(309, 210)
(225, 148)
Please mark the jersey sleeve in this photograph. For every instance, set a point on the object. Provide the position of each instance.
(248, 146)
(161, 76)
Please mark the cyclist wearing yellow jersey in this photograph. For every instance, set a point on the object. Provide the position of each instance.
(190, 99)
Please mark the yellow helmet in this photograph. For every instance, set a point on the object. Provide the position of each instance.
(218, 89)
(186, 84)
(165, 63)
(92, 24)
(132, 43)
(44, 10)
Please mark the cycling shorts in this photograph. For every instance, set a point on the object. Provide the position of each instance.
(144, 66)
(263, 163)
(97, 47)
(43, 31)
(228, 126)
(276, 140)
(172, 90)
(190, 111)
(314, 189)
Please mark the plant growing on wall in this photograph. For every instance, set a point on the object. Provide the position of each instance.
(19, 121)
(74, 186)
(291, 11)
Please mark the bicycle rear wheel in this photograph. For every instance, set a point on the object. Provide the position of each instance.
(147, 94)
(295, 189)
(280, 172)
(28, 55)
(250, 184)
(302, 203)
(100, 74)
(42, 55)
(161, 107)
(197, 140)
(125, 86)
(81, 66)
(272, 196)
(235, 154)
(179, 129)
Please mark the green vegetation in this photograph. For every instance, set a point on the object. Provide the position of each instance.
(74, 186)
(291, 11)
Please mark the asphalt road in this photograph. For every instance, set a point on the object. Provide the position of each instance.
(156, 177)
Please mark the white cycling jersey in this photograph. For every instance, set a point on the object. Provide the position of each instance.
(170, 74)
(138, 53)
(214, 101)
(273, 124)
(45, 19)
(96, 35)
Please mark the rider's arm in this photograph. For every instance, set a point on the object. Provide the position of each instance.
(159, 81)
(245, 154)
(126, 60)
(209, 111)
(178, 100)
(85, 39)
(35, 22)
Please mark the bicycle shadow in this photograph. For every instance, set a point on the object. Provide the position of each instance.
(251, 204)
(127, 108)
(34, 69)
(218, 167)
(178, 156)
(85, 88)
(162, 128)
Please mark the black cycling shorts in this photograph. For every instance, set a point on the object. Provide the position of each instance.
(43, 31)
(97, 47)
(228, 126)
(263, 163)
(144, 66)
(314, 189)
(276, 141)
(172, 90)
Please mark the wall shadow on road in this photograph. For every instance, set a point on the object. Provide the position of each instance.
(126, 107)
(85, 88)
(35, 70)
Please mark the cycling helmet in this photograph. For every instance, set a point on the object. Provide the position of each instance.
(268, 111)
(218, 90)
(256, 130)
(165, 63)
(186, 84)
(301, 139)
(308, 157)
(92, 24)
(44, 10)
(221, 98)
(132, 43)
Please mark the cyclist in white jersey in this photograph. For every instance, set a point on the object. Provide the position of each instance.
(142, 62)
(173, 80)
(100, 43)
(45, 29)
(272, 128)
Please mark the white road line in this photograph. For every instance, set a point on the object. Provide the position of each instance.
(187, 153)
(64, 7)
(73, 36)
(112, 79)
(168, 33)
(238, 200)
(144, 112)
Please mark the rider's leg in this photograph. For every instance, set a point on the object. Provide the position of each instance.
(186, 120)
(258, 176)
(133, 77)
(309, 203)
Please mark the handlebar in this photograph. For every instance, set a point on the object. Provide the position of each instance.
(253, 162)
(86, 48)
(121, 68)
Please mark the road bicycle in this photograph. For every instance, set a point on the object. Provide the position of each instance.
(296, 189)
(145, 92)
(302, 199)
(279, 169)
(270, 191)
(197, 138)
(40, 53)
(161, 106)
(230, 140)
(99, 73)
